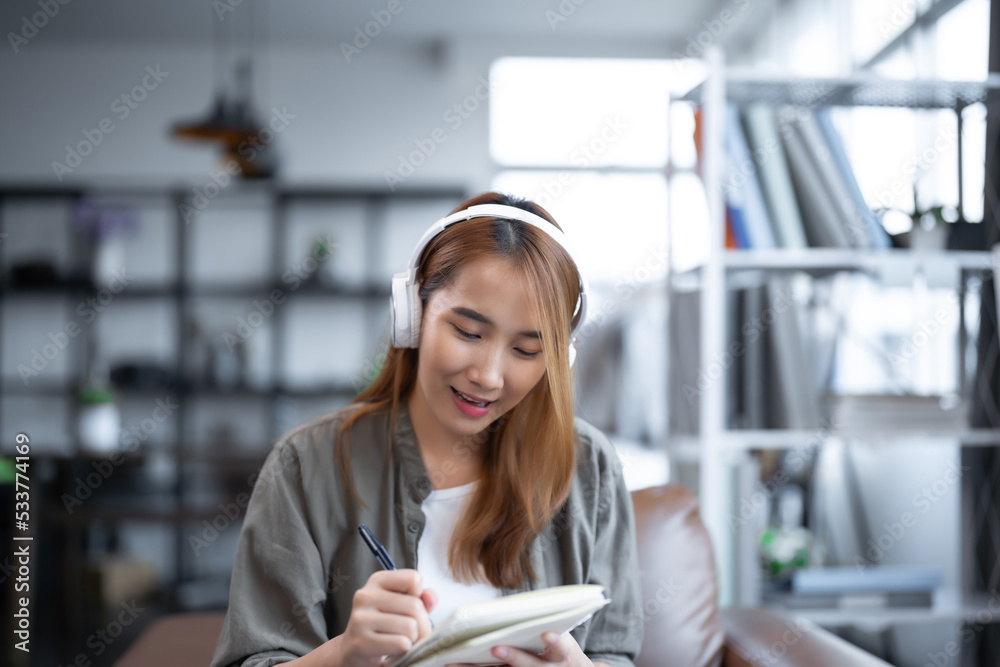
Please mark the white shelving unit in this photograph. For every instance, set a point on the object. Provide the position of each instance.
(721, 452)
(945, 607)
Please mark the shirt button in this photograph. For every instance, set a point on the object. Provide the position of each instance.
(413, 527)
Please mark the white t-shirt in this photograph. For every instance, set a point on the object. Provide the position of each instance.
(442, 508)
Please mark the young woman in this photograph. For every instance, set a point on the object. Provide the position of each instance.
(464, 458)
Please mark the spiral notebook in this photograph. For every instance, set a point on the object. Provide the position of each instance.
(518, 620)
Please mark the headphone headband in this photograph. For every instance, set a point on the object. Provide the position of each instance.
(405, 300)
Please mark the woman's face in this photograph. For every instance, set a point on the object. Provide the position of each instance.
(480, 350)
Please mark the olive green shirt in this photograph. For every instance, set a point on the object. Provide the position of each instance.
(300, 557)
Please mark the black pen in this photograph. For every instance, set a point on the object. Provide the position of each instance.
(376, 547)
(383, 556)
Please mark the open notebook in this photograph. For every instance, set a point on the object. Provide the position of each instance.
(518, 620)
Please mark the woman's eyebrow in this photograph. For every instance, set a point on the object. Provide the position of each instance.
(479, 317)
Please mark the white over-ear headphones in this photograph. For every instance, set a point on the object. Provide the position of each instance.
(404, 301)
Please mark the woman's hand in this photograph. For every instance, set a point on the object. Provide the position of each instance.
(561, 650)
(388, 616)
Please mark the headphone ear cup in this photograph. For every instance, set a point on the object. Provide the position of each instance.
(399, 309)
(416, 313)
(572, 353)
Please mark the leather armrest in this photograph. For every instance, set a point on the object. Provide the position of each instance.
(179, 639)
(757, 636)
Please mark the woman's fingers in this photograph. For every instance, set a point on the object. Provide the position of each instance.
(560, 650)
(399, 593)
(430, 599)
(401, 581)
(560, 647)
(377, 622)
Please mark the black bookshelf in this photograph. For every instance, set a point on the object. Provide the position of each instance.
(68, 597)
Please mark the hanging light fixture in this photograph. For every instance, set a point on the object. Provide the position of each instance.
(232, 121)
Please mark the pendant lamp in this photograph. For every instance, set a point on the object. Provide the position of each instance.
(232, 122)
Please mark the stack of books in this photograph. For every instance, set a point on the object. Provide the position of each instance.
(927, 415)
(789, 183)
(850, 586)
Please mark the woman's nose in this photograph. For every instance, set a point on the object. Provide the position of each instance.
(487, 370)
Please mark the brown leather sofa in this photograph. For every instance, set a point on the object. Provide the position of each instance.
(683, 627)
(682, 623)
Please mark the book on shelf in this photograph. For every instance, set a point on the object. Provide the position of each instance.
(731, 243)
(788, 181)
(861, 214)
(775, 180)
(745, 388)
(819, 211)
(774, 382)
(794, 403)
(849, 586)
(831, 179)
(932, 415)
(736, 398)
(518, 620)
(744, 200)
(756, 360)
(736, 232)
(870, 579)
(685, 382)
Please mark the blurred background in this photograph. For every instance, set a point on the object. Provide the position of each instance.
(202, 204)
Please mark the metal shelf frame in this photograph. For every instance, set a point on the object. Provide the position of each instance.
(70, 531)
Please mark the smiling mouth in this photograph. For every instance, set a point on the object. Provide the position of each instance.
(470, 400)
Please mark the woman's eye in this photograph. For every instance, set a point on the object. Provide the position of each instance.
(471, 336)
(465, 334)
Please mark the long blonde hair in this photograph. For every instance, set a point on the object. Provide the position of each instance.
(530, 452)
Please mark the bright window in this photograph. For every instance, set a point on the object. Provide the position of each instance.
(587, 139)
(617, 221)
(580, 112)
(898, 151)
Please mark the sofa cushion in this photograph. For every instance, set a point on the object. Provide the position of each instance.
(677, 571)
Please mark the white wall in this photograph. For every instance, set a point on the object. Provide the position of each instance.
(352, 120)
